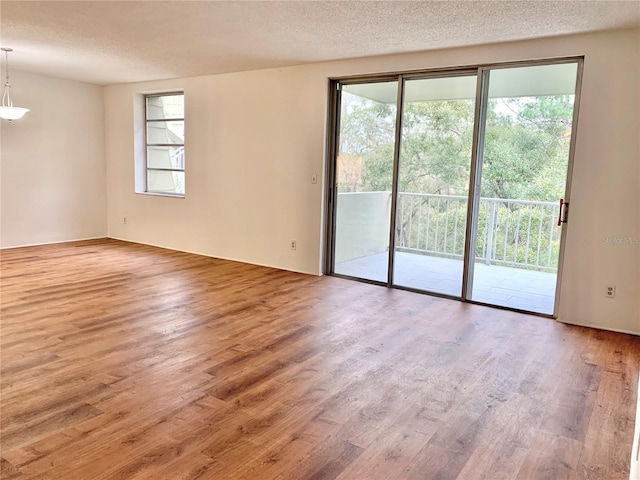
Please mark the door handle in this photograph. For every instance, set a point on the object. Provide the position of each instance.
(562, 213)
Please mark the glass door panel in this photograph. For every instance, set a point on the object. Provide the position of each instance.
(364, 175)
(523, 174)
(433, 183)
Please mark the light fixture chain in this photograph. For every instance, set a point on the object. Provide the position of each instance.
(6, 57)
(6, 95)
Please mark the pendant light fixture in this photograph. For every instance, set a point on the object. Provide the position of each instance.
(7, 110)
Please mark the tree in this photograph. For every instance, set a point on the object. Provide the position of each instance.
(525, 146)
(526, 149)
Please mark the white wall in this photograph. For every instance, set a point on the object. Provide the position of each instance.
(52, 163)
(252, 143)
(254, 139)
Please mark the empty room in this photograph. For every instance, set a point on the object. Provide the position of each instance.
(320, 240)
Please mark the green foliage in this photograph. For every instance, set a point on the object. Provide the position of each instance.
(525, 150)
(526, 147)
(436, 147)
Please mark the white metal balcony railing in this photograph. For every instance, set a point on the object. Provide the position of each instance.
(510, 232)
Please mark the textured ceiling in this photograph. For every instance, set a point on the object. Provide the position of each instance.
(111, 42)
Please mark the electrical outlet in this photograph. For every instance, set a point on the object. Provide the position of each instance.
(314, 178)
(293, 244)
(610, 291)
(124, 220)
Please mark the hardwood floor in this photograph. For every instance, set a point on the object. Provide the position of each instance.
(123, 361)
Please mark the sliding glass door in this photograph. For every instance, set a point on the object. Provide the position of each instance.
(522, 175)
(433, 183)
(450, 182)
(364, 173)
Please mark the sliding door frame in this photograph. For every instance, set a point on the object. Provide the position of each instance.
(402, 79)
(333, 138)
(475, 174)
(482, 72)
(567, 191)
(394, 181)
(334, 99)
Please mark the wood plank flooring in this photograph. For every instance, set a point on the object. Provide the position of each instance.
(122, 361)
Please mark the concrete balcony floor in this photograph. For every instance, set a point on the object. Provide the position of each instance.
(497, 285)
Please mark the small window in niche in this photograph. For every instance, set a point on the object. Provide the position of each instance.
(164, 132)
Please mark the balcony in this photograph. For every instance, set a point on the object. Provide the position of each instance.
(517, 246)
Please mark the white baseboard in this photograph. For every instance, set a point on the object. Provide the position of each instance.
(215, 256)
(53, 243)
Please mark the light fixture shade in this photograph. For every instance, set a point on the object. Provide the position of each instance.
(12, 113)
